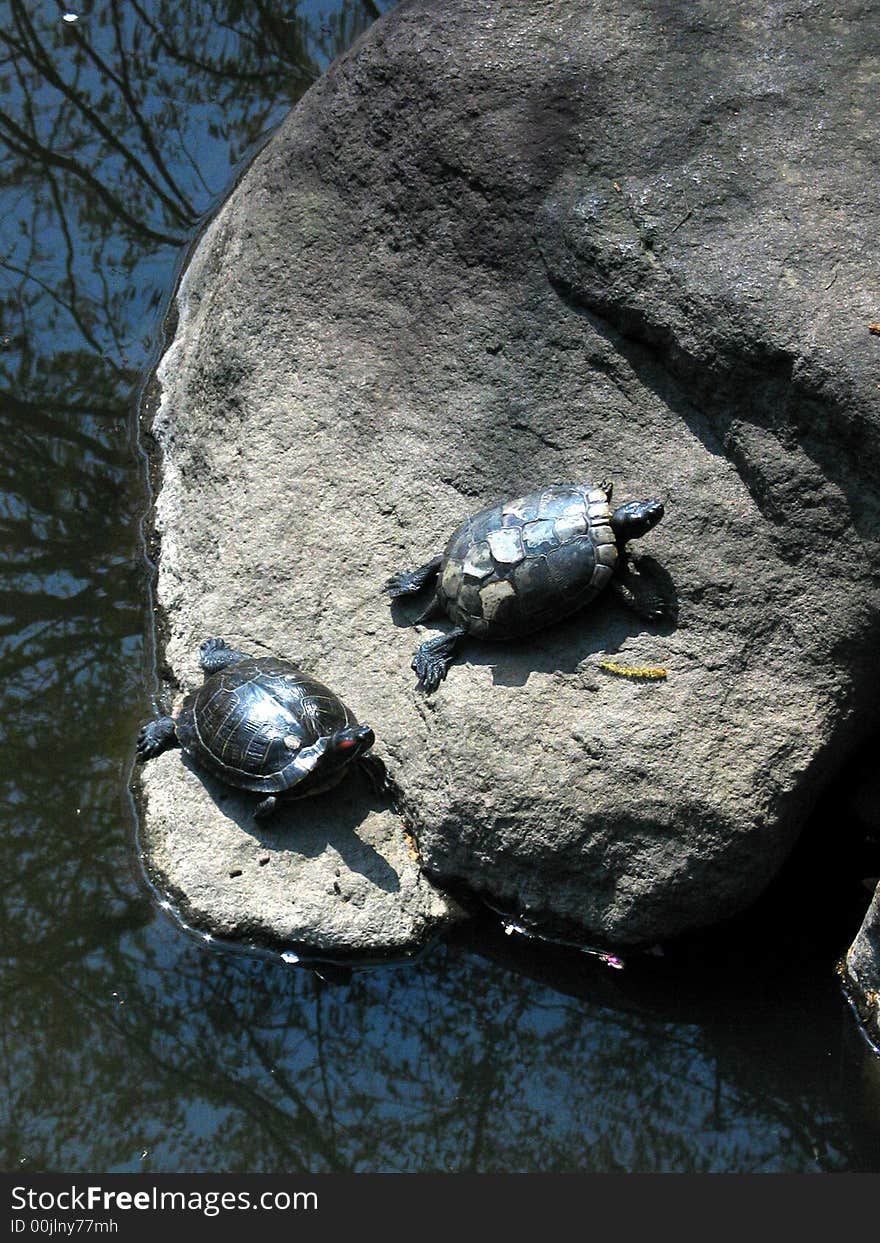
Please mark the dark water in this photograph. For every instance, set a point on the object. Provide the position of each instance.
(127, 1045)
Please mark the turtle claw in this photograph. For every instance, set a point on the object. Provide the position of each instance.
(215, 654)
(430, 668)
(155, 737)
(401, 584)
(432, 660)
(210, 646)
(657, 610)
(408, 582)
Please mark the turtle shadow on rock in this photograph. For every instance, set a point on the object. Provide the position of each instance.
(565, 648)
(599, 629)
(406, 613)
(308, 825)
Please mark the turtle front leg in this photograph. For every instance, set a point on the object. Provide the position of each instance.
(432, 660)
(377, 775)
(639, 591)
(408, 582)
(216, 654)
(155, 737)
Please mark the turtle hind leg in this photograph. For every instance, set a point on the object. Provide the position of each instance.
(216, 654)
(408, 582)
(155, 737)
(432, 660)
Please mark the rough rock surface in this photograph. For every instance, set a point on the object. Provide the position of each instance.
(511, 242)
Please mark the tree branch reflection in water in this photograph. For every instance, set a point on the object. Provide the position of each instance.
(458, 1063)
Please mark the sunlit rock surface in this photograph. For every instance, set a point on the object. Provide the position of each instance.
(508, 243)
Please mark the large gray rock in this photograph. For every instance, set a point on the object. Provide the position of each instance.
(506, 243)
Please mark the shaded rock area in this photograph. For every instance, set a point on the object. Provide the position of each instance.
(504, 243)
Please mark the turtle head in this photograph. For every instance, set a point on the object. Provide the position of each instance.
(635, 518)
(343, 746)
(322, 764)
(347, 744)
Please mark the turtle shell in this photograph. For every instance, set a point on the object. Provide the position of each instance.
(247, 723)
(526, 563)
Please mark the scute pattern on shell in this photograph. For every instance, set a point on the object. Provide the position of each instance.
(517, 567)
(247, 723)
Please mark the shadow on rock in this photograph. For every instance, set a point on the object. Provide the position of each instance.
(407, 611)
(569, 647)
(599, 629)
(309, 825)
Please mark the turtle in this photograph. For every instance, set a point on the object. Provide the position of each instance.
(523, 564)
(262, 724)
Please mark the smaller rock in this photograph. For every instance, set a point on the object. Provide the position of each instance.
(341, 842)
(862, 968)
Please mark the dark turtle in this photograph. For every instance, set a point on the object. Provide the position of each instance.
(524, 564)
(261, 724)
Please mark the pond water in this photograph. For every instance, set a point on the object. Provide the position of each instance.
(126, 1044)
